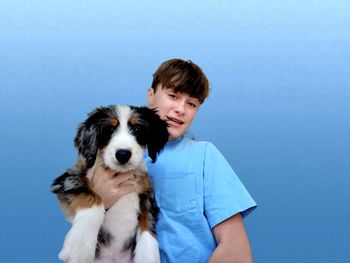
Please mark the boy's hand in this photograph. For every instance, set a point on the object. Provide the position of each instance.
(111, 186)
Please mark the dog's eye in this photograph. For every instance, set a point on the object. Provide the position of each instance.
(107, 130)
(111, 129)
(136, 128)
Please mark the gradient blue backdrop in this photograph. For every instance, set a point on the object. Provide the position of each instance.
(279, 108)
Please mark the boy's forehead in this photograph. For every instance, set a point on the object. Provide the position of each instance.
(174, 89)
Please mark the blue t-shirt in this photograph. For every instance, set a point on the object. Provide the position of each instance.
(195, 189)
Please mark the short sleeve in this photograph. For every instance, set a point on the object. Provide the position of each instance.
(224, 193)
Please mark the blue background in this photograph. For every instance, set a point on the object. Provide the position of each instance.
(279, 108)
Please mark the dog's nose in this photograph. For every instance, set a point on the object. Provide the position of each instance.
(123, 156)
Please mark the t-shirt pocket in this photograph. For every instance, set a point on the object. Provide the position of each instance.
(178, 192)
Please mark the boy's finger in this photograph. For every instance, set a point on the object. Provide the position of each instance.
(127, 182)
(104, 172)
(124, 177)
(123, 190)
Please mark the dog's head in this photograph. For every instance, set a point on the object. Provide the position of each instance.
(119, 135)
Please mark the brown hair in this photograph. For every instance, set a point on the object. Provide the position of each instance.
(182, 76)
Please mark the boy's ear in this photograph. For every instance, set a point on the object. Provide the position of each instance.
(157, 135)
(150, 94)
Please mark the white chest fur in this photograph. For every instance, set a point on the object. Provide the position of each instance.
(121, 222)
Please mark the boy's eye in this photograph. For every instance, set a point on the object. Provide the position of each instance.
(171, 95)
(193, 104)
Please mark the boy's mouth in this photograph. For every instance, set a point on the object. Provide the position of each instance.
(174, 122)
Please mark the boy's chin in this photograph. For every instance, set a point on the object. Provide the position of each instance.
(175, 135)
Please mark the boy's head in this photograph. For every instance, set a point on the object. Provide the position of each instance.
(178, 89)
(182, 76)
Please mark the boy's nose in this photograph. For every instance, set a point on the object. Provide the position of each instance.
(180, 108)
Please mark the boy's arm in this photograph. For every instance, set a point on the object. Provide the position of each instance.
(232, 240)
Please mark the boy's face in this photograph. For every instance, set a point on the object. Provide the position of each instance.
(177, 109)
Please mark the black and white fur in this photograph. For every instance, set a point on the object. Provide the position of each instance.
(115, 137)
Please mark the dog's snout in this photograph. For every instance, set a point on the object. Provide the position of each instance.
(123, 156)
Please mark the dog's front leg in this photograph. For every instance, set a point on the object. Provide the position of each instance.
(80, 242)
(147, 249)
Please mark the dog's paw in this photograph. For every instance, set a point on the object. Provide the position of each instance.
(78, 248)
(147, 249)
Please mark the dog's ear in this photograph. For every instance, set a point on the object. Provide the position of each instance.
(86, 143)
(157, 135)
(87, 137)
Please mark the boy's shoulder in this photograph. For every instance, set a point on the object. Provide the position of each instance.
(205, 146)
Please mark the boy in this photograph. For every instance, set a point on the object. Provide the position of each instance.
(201, 201)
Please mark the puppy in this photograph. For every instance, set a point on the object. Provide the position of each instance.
(115, 137)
